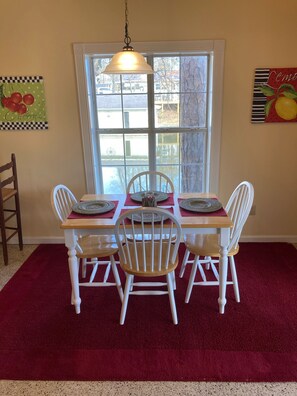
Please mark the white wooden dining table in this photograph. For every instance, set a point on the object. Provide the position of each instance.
(202, 224)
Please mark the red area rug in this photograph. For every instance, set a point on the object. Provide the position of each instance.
(41, 337)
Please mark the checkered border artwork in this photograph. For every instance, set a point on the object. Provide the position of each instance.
(22, 125)
(11, 126)
(30, 79)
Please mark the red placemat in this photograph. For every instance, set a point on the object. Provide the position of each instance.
(126, 210)
(188, 213)
(166, 202)
(107, 215)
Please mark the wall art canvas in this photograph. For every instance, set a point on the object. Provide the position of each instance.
(275, 95)
(22, 103)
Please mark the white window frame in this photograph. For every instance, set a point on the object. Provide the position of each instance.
(215, 48)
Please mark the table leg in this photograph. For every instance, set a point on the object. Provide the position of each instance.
(223, 268)
(70, 242)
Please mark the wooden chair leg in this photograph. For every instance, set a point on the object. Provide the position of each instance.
(4, 247)
(171, 298)
(117, 278)
(83, 267)
(107, 271)
(234, 278)
(129, 279)
(19, 222)
(184, 263)
(192, 279)
(3, 238)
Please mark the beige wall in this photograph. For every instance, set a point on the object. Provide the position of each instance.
(36, 38)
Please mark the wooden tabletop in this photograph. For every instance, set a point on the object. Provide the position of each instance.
(194, 221)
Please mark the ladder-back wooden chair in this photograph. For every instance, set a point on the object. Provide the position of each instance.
(9, 191)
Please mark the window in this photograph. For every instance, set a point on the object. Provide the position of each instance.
(169, 121)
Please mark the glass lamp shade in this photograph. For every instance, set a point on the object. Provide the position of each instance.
(128, 62)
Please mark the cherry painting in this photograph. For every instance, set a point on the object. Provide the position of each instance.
(22, 103)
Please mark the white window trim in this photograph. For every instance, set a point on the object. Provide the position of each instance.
(216, 47)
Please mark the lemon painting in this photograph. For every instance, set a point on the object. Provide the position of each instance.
(22, 103)
(275, 95)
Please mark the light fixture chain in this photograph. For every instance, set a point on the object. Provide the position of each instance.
(126, 12)
(127, 39)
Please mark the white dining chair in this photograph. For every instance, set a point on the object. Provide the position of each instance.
(205, 248)
(150, 257)
(150, 181)
(90, 248)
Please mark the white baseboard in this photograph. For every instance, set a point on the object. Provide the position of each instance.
(245, 238)
(41, 240)
(269, 238)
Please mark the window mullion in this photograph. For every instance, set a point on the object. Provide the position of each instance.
(98, 176)
(208, 123)
(151, 119)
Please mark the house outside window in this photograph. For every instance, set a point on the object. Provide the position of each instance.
(168, 121)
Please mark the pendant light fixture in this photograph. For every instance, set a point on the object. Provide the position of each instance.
(128, 61)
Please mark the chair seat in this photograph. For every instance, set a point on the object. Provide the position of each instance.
(206, 245)
(8, 193)
(97, 246)
(148, 256)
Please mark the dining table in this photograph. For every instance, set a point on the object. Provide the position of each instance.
(77, 225)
